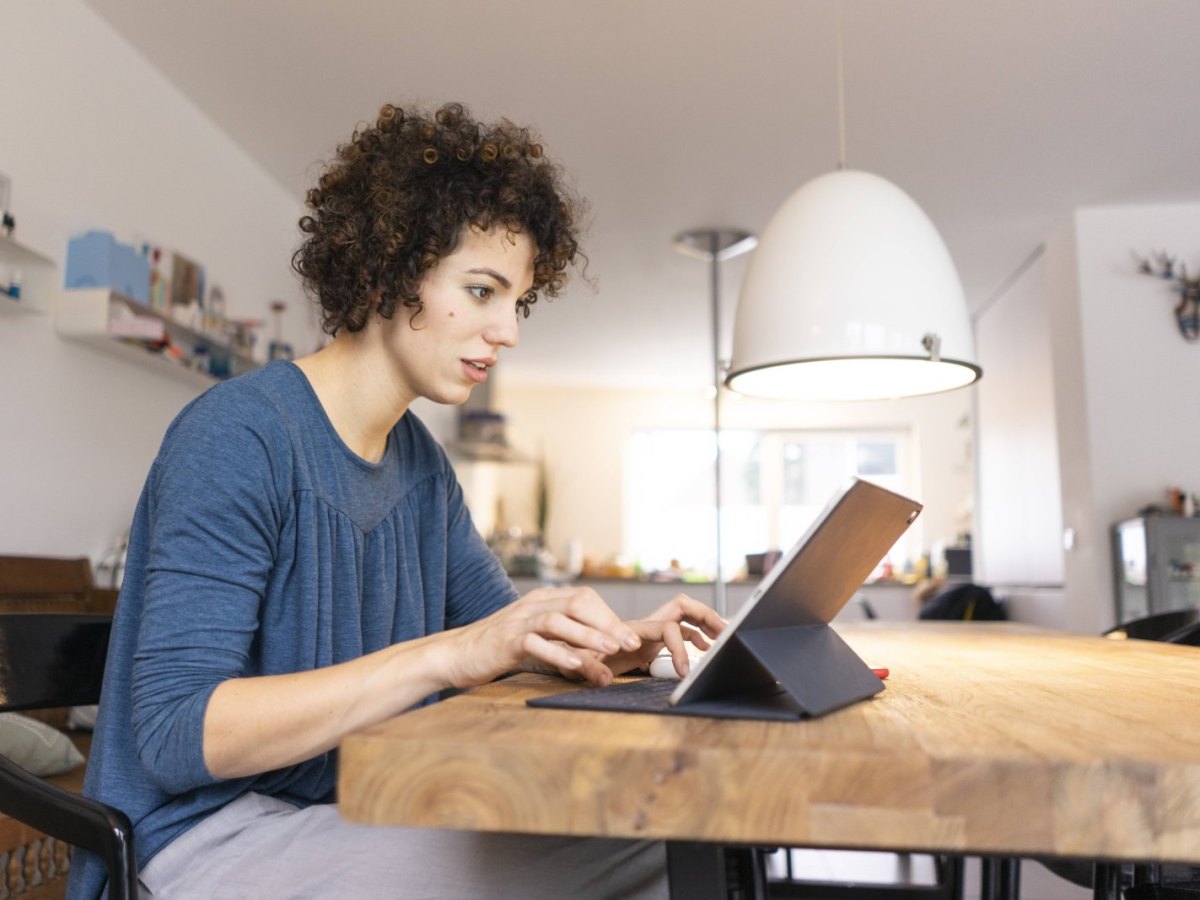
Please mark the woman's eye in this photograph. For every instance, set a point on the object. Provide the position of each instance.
(480, 291)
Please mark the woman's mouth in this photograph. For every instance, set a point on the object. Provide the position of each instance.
(476, 370)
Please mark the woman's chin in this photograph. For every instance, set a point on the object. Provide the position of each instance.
(451, 396)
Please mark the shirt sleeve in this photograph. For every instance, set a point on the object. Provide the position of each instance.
(215, 518)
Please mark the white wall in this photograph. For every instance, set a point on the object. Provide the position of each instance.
(1118, 422)
(1019, 496)
(1139, 375)
(92, 136)
(1087, 588)
(582, 434)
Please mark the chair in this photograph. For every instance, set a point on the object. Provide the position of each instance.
(947, 884)
(966, 602)
(1177, 626)
(1113, 881)
(55, 660)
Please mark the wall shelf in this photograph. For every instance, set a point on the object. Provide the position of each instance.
(37, 278)
(94, 316)
(11, 307)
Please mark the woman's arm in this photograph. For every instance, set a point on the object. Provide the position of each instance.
(254, 725)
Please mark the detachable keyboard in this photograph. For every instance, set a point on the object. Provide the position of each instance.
(652, 695)
(640, 695)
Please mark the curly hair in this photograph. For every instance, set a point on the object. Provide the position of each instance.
(397, 196)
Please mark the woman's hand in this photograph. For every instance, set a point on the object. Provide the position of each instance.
(568, 629)
(675, 624)
(254, 725)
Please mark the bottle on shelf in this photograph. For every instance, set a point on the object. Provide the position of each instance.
(158, 284)
(278, 348)
(11, 284)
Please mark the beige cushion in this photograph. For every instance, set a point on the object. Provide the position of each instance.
(35, 746)
(82, 718)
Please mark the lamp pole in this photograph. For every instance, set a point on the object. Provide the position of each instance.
(715, 245)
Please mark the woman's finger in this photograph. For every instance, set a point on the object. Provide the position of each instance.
(696, 638)
(586, 607)
(557, 655)
(682, 608)
(673, 638)
(704, 617)
(557, 625)
(568, 660)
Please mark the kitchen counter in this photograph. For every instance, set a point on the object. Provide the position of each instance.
(633, 598)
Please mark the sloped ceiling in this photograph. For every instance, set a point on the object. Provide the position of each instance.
(998, 117)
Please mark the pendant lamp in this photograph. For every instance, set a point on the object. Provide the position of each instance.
(851, 295)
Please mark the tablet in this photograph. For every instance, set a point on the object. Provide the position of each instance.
(779, 658)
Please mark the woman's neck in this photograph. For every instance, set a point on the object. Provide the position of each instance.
(359, 399)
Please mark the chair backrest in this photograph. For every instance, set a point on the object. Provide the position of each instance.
(1162, 626)
(968, 601)
(45, 584)
(51, 659)
(1188, 634)
(54, 659)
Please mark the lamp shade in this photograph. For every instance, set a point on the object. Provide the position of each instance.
(851, 295)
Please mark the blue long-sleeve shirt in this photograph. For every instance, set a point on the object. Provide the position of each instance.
(262, 545)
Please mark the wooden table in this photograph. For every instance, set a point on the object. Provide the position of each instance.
(993, 739)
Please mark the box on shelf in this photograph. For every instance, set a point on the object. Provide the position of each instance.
(143, 328)
(96, 259)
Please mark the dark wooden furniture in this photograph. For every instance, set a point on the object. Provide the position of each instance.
(51, 584)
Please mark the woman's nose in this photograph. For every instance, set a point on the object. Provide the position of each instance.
(503, 331)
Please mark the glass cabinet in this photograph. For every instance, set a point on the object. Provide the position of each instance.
(1157, 565)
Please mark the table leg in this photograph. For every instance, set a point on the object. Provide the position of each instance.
(1000, 878)
(700, 871)
(1010, 878)
(1106, 881)
(1147, 874)
(950, 876)
(989, 879)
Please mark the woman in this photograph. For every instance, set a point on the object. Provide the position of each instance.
(302, 564)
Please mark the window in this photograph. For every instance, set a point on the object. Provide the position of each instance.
(773, 484)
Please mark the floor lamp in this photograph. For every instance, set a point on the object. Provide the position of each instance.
(715, 245)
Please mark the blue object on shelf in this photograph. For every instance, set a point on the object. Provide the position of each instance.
(96, 259)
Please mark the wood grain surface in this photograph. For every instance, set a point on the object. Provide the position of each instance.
(990, 738)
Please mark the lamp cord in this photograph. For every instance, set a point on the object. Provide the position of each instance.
(841, 89)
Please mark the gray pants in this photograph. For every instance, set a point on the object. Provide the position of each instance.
(259, 847)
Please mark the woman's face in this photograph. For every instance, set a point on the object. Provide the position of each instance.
(470, 311)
